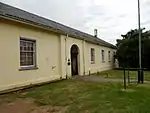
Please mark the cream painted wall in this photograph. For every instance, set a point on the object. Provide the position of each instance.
(85, 56)
(53, 50)
(48, 55)
(99, 65)
(67, 44)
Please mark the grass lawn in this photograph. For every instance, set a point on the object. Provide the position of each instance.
(87, 97)
(120, 74)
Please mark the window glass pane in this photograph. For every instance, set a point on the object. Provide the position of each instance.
(103, 57)
(27, 49)
(92, 54)
(109, 55)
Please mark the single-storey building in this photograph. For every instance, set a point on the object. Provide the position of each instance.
(36, 50)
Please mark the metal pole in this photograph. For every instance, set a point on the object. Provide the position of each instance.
(128, 77)
(125, 79)
(139, 24)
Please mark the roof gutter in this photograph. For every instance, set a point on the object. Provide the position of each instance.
(30, 24)
(37, 25)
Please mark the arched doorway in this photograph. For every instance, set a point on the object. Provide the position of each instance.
(74, 60)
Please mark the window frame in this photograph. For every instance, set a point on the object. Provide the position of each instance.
(29, 67)
(92, 54)
(109, 56)
(103, 55)
(114, 53)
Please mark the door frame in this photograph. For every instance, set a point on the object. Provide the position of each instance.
(76, 49)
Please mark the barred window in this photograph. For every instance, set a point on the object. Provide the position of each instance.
(27, 53)
(114, 53)
(103, 57)
(109, 56)
(92, 55)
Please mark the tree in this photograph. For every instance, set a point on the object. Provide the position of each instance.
(128, 49)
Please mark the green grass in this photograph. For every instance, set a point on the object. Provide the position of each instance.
(120, 74)
(87, 97)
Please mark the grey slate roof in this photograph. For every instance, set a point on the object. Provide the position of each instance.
(21, 15)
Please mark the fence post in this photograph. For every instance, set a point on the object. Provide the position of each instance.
(89, 73)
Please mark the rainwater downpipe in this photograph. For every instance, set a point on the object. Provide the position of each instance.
(66, 56)
(84, 56)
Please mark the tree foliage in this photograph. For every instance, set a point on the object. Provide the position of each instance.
(128, 49)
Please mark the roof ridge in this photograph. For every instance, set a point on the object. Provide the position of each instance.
(20, 13)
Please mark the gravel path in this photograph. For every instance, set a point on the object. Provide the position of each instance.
(101, 79)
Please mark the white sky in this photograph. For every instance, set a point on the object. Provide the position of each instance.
(111, 17)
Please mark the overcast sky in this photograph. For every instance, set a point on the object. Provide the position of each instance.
(111, 17)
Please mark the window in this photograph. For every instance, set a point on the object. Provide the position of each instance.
(27, 53)
(103, 57)
(114, 53)
(92, 55)
(109, 56)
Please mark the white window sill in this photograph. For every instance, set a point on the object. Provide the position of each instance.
(92, 62)
(103, 61)
(28, 68)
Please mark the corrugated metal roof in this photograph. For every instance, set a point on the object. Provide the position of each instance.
(21, 15)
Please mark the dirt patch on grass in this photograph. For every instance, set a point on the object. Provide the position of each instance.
(29, 106)
(49, 109)
(18, 106)
(127, 90)
(144, 85)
